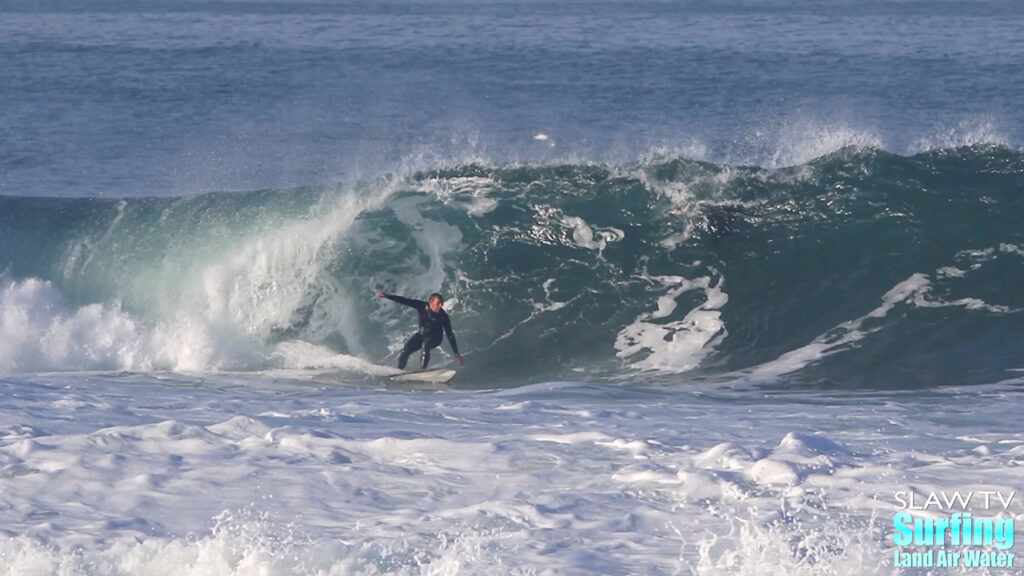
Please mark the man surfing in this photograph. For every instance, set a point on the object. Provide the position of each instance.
(433, 320)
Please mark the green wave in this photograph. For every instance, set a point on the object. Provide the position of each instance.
(859, 268)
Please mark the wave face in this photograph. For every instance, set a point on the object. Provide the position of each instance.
(859, 268)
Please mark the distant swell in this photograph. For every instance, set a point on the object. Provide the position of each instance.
(859, 268)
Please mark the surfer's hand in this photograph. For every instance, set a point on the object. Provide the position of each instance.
(459, 358)
(379, 293)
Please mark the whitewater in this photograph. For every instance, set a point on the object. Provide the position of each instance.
(737, 287)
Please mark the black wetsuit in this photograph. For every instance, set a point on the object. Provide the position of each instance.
(429, 336)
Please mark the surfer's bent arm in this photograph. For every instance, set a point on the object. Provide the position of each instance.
(451, 336)
(412, 303)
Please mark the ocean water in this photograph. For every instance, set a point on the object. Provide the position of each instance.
(736, 283)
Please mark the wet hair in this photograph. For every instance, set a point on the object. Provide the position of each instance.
(435, 295)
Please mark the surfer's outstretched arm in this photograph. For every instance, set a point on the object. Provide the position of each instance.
(451, 339)
(417, 304)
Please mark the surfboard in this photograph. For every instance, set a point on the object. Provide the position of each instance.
(439, 375)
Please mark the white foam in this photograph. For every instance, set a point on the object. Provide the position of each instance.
(676, 345)
(549, 305)
(574, 438)
(301, 355)
(472, 193)
(112, 476)
(917, 291)
(591, 238)
(41, 332)
(1011, 249)
(841, 336)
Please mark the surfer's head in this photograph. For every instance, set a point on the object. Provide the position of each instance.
(435, 302)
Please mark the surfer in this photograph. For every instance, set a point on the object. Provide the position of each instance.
(433, 320)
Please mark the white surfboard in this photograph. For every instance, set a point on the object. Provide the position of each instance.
(434, 376)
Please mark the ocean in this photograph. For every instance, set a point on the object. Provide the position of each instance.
(737, 283)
